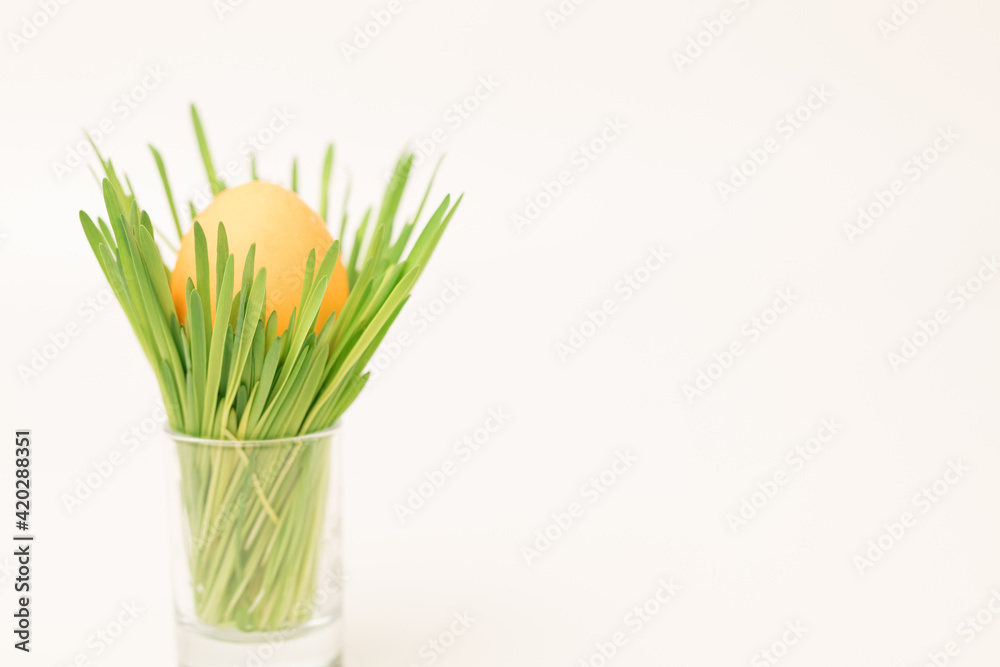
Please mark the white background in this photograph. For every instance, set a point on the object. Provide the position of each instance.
(495, 346)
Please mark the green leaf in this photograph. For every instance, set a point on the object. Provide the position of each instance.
(424, 247)
(393, 194)
(127, 260)
(203, 275)
(396, 251)
(106, 232)
(270, 330)
(199, 357)
(206, 157)
(356, 301)
(325, 183)
(221, 255)
(359, 236)
(427, 235)
(263, 388)
(191, 422)
(427, 192)
(120, 289)
(95, 238)
(345, 399)
(282, 400)
(241, 402)
(248, 267)
(307, 278)
(301, 397)
(166, 186)
(248, 327)
(257, 354)
(154, 266)
(397, 296)
(111, 203)
(217, 349)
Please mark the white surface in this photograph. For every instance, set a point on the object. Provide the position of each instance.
(495, 346)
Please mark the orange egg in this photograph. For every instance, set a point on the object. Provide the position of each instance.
(284, 228)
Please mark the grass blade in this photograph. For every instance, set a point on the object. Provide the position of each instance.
(166, 186)
(325, 183)
(206, 157)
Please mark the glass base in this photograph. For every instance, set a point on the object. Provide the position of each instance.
(316, 644)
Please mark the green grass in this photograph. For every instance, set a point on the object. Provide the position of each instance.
(254, 514)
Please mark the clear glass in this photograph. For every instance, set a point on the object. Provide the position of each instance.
(257, 561)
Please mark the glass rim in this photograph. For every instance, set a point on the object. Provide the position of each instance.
(316, 435)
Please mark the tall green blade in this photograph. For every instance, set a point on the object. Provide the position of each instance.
(166, 186)
(206, 157)
(325, 183)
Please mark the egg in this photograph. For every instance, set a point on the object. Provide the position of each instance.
(284, 229)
